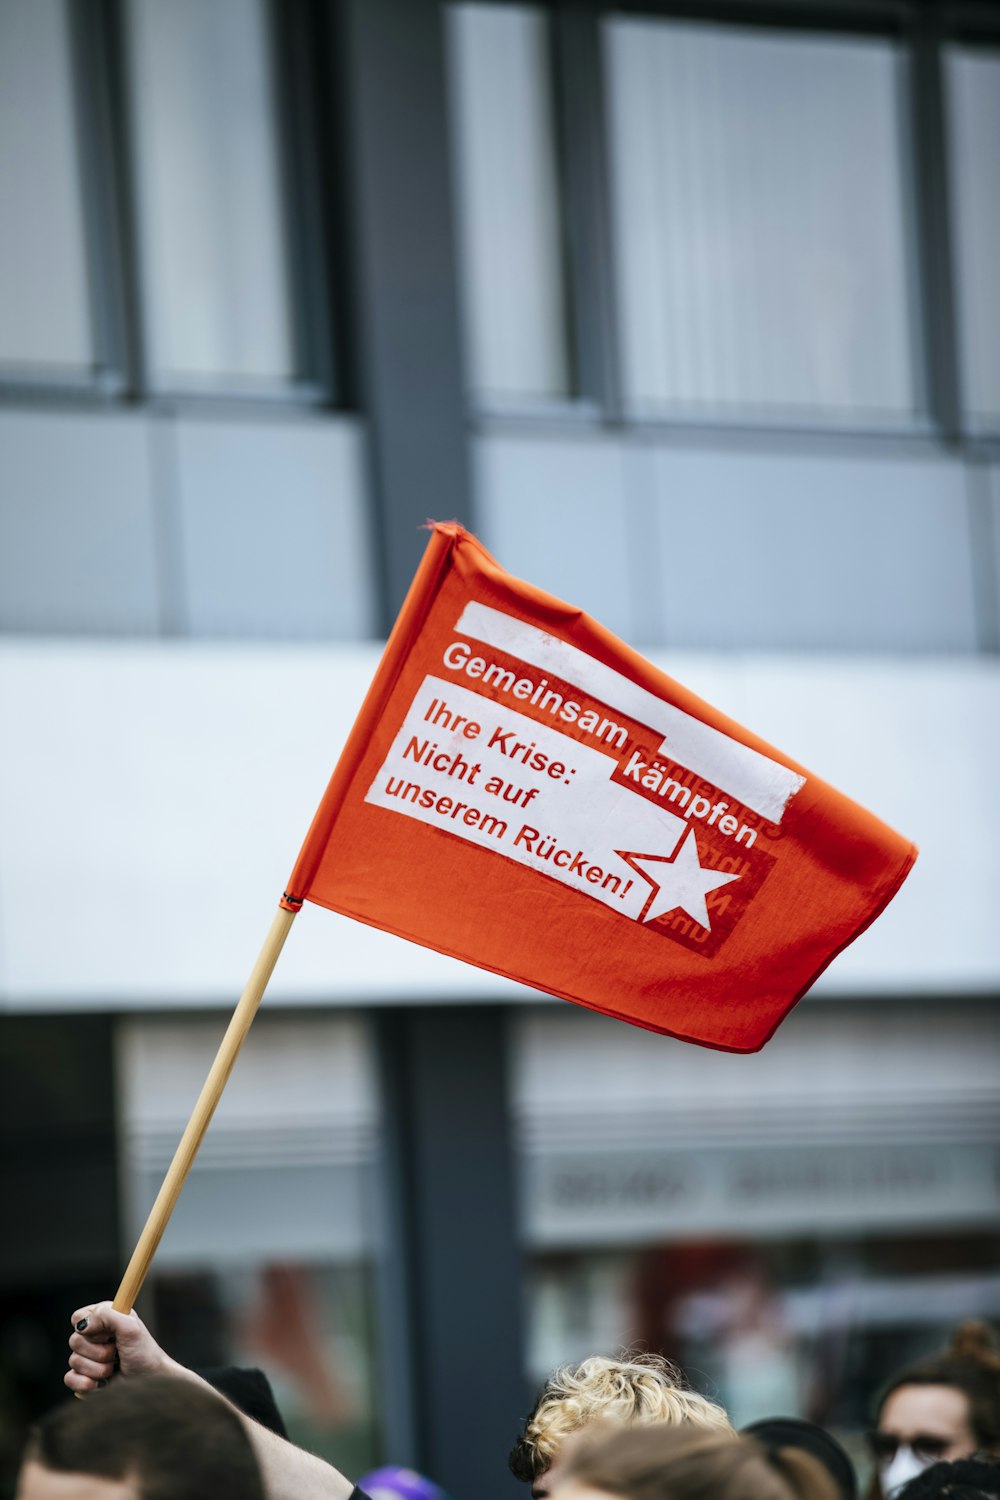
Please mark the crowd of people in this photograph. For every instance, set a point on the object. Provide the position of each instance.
(607, 1429)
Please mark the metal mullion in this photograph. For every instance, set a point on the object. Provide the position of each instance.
(449, 1258)
(581, 135)
(389, 62)
(933, 218)
(88, 112)
(113, 126)
(904, 441)
(977, 25)
(295, 54)
(858, 17)
(984, 548)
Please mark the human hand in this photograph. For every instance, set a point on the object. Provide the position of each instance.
(106, 1343)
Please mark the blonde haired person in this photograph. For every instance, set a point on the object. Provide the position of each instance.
(681, 1463)
(635, 1390)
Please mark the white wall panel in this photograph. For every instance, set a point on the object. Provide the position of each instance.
(273, 534)
(555, 512)
(77, 526)
(913, 739)
(804, 551)
(153, 799)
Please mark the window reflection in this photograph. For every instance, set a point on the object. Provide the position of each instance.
(267, 1261)
(760, 221)
(973, 94)
(45, 324)
(794, 1327)
(507, 195)
(307, 1326)
(210, 203)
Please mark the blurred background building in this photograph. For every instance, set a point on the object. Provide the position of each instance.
(692, 313)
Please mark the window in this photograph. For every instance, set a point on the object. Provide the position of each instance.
(45, 318)
(758, 207)
(973, 91)
(213, 255)
(789, 1231)
(267, 1259)
(508, 203)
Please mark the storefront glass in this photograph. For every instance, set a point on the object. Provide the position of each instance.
(267, 1260)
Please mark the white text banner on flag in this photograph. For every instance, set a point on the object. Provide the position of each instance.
(488, 774)
(754, 779)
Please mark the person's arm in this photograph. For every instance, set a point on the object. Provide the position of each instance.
(108, 1345)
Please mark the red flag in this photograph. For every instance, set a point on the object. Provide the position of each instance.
(523, 791)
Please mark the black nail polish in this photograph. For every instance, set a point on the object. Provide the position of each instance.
(101, 1384)
(83, 1323)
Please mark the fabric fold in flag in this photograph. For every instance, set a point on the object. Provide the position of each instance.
(524, 791)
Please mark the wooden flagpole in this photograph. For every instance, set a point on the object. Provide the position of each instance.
(166, 1198)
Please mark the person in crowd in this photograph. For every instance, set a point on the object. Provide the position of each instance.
(775, 1433)
(627, 1392)
(966, 1479)
(394, 1482)
(685, 1463)
(942, 1409)
(249, 1390)
(156, 1439)
(109, 1347)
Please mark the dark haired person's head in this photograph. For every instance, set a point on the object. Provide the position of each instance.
(678, 1463)
(939, 1410)
(775, 1433)
(152, 1439)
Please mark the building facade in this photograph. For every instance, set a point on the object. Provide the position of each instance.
(689, 311)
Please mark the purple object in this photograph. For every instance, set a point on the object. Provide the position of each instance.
(395, 1483)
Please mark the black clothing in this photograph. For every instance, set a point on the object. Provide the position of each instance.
(251, 1391)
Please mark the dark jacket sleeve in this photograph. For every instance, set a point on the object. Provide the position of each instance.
(251, 1391)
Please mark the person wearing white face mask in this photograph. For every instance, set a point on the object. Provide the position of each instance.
(976, 1478)
(943, 1409)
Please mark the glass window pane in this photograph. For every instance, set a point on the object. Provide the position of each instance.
(789, 1227)
(759, 216)
(44, 311)
(210, 203)
(508, 202)
(974, 118)
(268, 1257)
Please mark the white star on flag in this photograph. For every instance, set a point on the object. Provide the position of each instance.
(681, 883)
